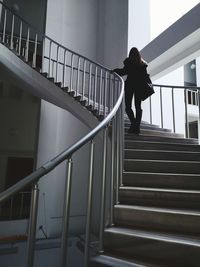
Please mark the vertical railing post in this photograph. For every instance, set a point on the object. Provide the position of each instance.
(49, 69)
(64, 66)
(186, 114)
(95, 87)
(150, 110)
(83, 80)
(35, 51)
(90, 84)
(103, 192)
(198, 97)
(161, 107)
(32, 226)
(66, 214)
(27, 45)
(20, 38)
(89, 207)
(105, 91)
(72, 73)
(100, 91)
(57, 60)
(112, 172)
(4, 25)
(78, 76)
(12, 31)
(173, 111)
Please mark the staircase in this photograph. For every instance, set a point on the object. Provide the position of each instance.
(157, 219)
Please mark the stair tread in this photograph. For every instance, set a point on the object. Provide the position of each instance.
(162, 151)
(159, 210)
(163, 160)
(161, 173)
(161, 236)
(153, 189)
(115, 261)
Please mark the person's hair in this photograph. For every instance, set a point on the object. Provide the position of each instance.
(134, 56)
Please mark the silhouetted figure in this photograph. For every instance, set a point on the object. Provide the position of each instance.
(136, 70)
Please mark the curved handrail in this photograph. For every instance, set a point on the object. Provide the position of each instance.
(176, 86)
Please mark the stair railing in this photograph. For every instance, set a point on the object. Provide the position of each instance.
(191, 96)
(74, 73)
(102, 93)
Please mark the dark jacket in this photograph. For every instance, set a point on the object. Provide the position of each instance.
(136, 75)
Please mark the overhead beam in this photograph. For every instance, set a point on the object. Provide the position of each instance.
(176, 46)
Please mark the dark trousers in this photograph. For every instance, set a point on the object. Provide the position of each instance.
(128, 107)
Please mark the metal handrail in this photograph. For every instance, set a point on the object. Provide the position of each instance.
(176, 86)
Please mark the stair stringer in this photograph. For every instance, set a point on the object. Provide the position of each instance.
(15, 69)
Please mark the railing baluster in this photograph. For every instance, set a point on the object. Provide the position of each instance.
(66, 214)
(57, 60)
(78, 76)
(186, 114)
(64, 66)
(27, 45)
(100, 91)
(105, 94)
(12, 31)
(150, 110)
(161, 107)
(103, 191)
(4, 25)
(50, 47)
(20, 38)
(90, 84)
(173, 111)
(95, 86)
(35, 51)
(89, 206)
(112, 172)
(32, 226)
(72, 73)
(83, 85)
(198, 98)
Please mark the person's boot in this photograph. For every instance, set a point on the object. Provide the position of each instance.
(137, 122)
(132, 127)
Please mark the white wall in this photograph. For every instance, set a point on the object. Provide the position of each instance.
(112, 32)
(73, 23)
(138, 23)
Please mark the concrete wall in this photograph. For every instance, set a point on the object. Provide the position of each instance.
(33, 11)
(112, 32)
(19, 113)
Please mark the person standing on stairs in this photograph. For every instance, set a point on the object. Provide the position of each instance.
(136, 70)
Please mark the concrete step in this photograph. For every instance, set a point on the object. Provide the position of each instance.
(148, 127)
(161, 166)
(160, 138)
(159, 249)
(158, 145)
(161, 154)
(153, 132)
(158, 219)
(160, 197)
(162, 180)
(109, 261)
